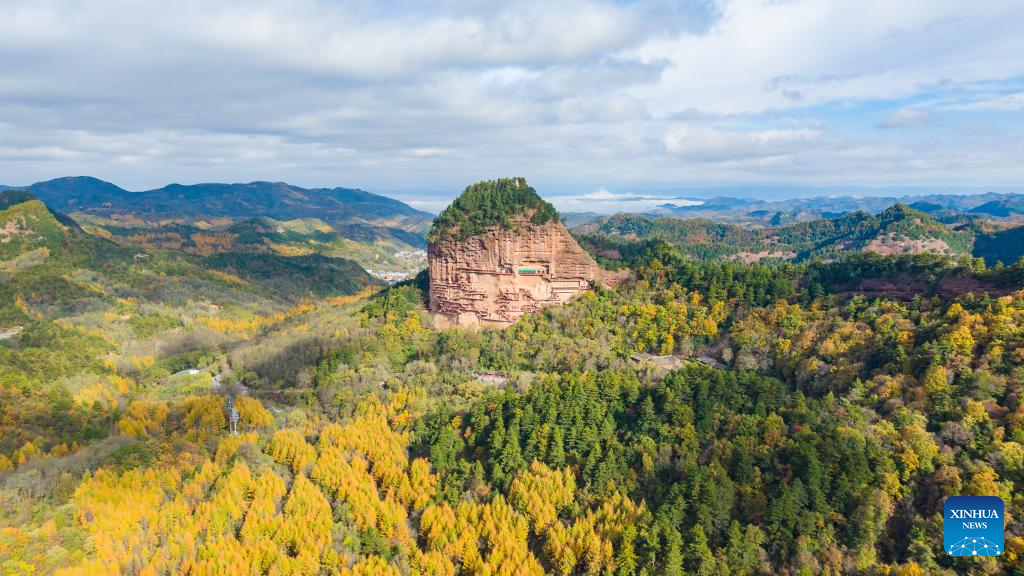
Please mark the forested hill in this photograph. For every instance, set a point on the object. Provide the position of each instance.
(177, 202)
(44, 255)
(489, 203)
(26, 224)
(897, 230)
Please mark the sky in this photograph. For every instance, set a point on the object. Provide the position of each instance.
(600, 105)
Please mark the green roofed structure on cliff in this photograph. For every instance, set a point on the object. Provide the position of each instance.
(491, 203)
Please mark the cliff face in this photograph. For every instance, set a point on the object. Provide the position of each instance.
(494, 278)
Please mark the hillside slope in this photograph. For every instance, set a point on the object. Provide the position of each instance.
(373, 247)
(26, 224)
(699, 237)
(899, 229)
(1006, 246)
(63, 265)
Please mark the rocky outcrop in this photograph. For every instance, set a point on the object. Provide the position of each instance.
(494, 278)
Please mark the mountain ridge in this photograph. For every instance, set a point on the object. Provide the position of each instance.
(897, 229)
(1000, 204)
(278, 200)
(381, 233)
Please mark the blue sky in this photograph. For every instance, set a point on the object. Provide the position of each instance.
(592, 101)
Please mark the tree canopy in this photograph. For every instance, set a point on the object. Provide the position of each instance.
(491, 203)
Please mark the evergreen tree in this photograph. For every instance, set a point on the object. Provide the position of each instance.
(699, 558)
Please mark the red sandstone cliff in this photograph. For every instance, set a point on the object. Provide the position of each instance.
(494, 278)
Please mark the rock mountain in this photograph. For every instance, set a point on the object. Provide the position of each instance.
(498, 252)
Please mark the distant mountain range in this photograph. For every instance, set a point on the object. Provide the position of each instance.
(380, 233)
(188, 203)
(775, 212)
(383, 234)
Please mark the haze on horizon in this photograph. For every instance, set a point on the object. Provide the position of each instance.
(597, 103)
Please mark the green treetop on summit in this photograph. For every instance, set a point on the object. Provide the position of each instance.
(491, 203)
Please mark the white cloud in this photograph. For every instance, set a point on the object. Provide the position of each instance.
(710, 145)
(604, 201)
(427, 152)
(335, 38)
(762, 54)
(410, 96)
(904, 118)
(1007, 103)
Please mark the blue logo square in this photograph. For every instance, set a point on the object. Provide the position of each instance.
(973, 526)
